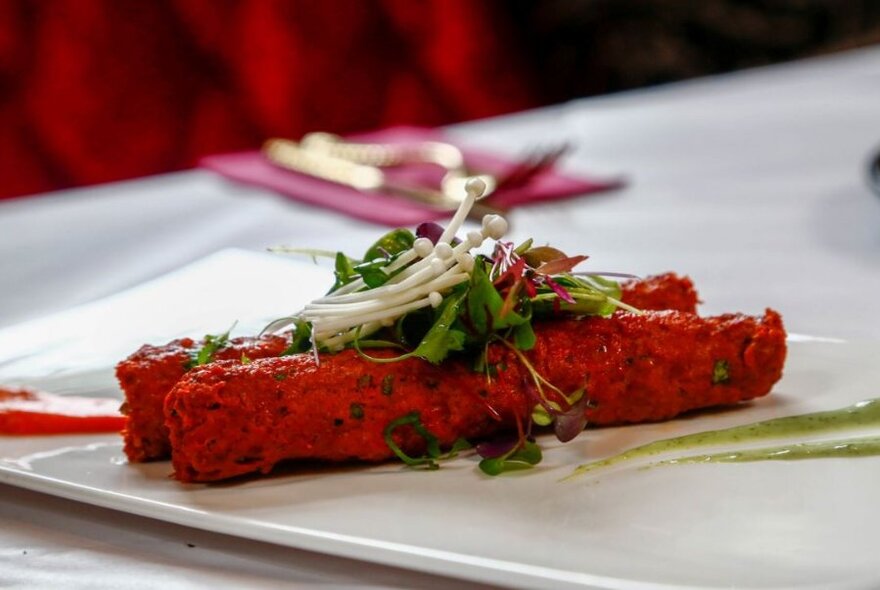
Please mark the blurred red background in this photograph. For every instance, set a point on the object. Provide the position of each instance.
(96, 90)
(100, 90)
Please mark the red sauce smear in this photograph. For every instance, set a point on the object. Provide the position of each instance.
(25, 411)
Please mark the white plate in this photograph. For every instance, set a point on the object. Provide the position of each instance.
(807, 524)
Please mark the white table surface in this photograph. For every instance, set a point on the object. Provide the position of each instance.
(752, 183)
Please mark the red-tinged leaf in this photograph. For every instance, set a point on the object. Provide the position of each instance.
(515, 271)
(531, 289)
(560, 265)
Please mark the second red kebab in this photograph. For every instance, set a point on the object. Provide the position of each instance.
(228, 419)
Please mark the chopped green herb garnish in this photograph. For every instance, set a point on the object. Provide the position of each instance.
(388, 384)
(394, 242)
(356, 411)
(721, 372)
(210, 345)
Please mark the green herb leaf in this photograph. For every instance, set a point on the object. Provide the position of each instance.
(343, 271)
(524, 336)
(394, 242)
(372, 274)
(442, 337)
(388, 384)
(210, 345)
(300, 338)
(484, 305)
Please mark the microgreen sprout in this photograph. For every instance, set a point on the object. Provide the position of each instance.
(433, 452)
(512, 455)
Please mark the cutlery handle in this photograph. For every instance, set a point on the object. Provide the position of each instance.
(293, 156)
(288, 154)
(440, 153)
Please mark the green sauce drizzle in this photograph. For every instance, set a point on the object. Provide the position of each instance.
(862, 414)
(849, 447)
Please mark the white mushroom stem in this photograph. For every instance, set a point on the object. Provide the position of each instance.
(404, 280)
(475, 188)
(399, 262)
(424, 273)
(317, 311)
(325, 328)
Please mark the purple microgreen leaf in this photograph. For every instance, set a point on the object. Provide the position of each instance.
(433, 231)
(430, 230)
(572, 422)
(498, 447)
(559, 290)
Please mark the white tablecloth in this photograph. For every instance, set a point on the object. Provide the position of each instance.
(751, 183)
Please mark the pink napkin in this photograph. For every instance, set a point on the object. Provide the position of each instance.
(253, 168)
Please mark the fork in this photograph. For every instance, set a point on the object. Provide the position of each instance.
(534, 163)
(440, 153)
(365, 177)
(382, 155)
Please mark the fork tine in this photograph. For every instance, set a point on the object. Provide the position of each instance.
(536, 162)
